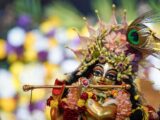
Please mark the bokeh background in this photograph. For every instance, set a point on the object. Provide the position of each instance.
(33, 39)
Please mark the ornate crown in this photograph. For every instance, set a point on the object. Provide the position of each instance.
(107, 44)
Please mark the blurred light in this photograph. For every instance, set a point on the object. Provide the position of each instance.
(154, 72)
(52, 42)
(55, 55)
(23, 114)
(7, 116)
(7, 89)
(16, 36)
(30, 55)
(41, 42)
(29, 40)
(38, 115)
(8, 107)
(16, 68)
(24, 21)
(61, 36)
(154, 75)
(33, 74)
(69, 66)
(71, 34)
(2, 49)
(50, 24)
(155, 61)
(42, 56)
(69, 53)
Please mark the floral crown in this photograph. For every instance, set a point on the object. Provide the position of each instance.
(107, 44)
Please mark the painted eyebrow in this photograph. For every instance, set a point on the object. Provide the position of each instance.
(98, 67)
(111, 71)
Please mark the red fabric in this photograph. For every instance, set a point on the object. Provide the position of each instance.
(70, 114)
(58, 91)
(81, 110)
(62, 105)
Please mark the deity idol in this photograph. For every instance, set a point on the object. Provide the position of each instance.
(102, 87)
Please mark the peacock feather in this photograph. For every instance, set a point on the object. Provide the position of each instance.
(144, 33)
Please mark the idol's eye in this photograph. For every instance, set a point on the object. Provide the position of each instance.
(97, 73)
(111, 74)
(111, 77)
(133, 37)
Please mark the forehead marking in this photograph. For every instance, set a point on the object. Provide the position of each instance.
(106, 68)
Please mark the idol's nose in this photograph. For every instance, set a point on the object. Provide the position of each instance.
(102, 79)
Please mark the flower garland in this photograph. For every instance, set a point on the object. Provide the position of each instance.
(124, 105)
(76, 104)
(84, 97)
(70, 106)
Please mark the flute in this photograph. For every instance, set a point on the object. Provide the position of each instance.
(31, 87)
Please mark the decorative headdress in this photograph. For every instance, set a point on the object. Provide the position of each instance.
(107, 44)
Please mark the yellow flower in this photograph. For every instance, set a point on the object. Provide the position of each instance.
(136, 97)
(64, 100)
(114, 93)
(81, 102)
(54, 103)
(90, 94)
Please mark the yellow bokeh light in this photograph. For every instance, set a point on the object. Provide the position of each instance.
(30, 40)
(30, 55)
(8, 104)
(49, 24)
(71, 34)
(2, 49)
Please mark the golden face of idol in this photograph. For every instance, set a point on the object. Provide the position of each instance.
(104, 74)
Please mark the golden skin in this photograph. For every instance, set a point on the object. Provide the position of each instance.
(100, 112)
(102, 74)
(55, 115)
